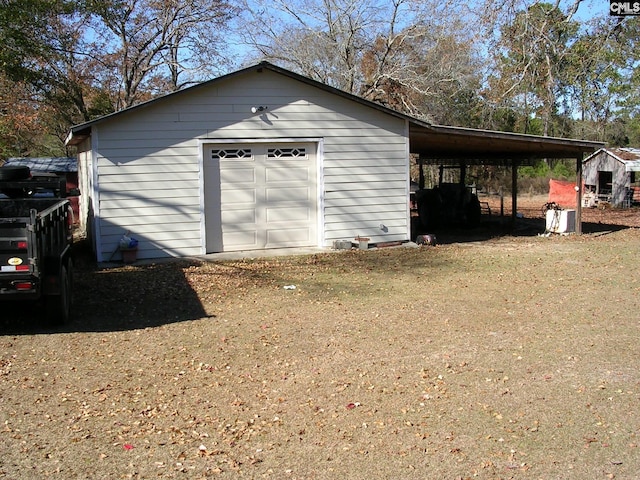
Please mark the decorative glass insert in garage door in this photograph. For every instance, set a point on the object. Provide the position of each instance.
(296, 152)
(232, 154)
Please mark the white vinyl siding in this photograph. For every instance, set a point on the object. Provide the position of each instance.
(149, 161)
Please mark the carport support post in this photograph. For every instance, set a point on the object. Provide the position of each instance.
(578, 227)
(514, 192)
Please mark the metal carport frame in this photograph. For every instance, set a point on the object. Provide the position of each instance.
(487, 147)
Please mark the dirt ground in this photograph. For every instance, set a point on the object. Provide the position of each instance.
(511, 357)
(531, 207)
(530, 220)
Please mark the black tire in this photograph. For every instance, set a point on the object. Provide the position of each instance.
(424, 215)
(474, 212)
(59, 306)
(14, 172)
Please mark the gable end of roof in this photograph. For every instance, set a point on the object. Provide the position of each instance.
(83, 130)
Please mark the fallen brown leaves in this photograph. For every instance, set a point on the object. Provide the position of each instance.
(460, 361)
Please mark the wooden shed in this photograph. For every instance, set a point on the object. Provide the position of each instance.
(610, 175)
(265, 158)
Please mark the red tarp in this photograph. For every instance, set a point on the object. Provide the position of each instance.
(563, 193)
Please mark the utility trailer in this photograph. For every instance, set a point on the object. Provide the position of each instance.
(35, 244)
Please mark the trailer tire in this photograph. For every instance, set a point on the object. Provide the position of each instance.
(14, 172)
(59, 306)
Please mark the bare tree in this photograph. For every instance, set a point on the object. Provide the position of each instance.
(150, 45)
(423, 69)
(322, 39)
(405, 54)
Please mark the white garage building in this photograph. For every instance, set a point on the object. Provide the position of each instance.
(262, 158)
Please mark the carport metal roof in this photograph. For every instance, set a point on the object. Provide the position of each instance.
(486, 147)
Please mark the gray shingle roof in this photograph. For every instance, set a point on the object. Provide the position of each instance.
(46, 164)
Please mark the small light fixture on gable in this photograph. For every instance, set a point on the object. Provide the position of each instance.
(258, 109)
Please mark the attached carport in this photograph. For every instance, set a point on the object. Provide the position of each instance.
(437, 143)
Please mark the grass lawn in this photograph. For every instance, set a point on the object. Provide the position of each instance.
(511, 358)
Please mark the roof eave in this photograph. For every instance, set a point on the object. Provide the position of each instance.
(459, 143)
(77, 136)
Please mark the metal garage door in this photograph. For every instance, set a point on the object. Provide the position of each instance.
(260, 196)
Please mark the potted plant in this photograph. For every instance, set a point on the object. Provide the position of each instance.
(128, 248)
